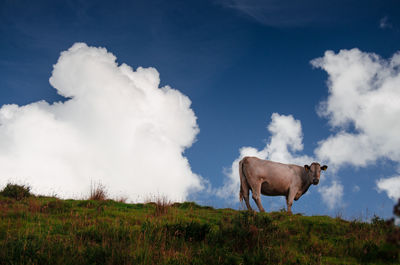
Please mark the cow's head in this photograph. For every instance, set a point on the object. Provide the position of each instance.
(314, 171)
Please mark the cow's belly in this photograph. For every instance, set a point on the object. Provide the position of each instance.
(273, 190)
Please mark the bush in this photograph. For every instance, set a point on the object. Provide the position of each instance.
(396, 209)
(17, 192)
(377, 221)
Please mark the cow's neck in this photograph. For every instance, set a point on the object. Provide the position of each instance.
(306, 182)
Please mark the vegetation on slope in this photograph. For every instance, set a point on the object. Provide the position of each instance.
(46, 230)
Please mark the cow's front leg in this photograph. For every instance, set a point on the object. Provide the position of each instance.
(289, 200)
(256, 194)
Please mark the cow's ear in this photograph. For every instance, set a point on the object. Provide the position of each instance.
(324, 167)
(307, 167)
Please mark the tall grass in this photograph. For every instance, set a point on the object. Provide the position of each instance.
(161, 203)
(98, 192)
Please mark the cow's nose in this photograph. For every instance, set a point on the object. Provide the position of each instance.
(315, 181)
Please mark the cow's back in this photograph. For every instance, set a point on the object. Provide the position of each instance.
(277, 177)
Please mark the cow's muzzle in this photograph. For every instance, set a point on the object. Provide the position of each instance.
(315, 181)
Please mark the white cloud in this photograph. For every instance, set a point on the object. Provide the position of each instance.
(117, 127)
(332, 195)
(356, 188)
(391, 186)
(286, 139)
(363, 106)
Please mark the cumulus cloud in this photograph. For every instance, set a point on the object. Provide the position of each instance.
(117, 126)
(283, 146)
(332, 195)
(391, 186)
(362, 106)
(362, 109)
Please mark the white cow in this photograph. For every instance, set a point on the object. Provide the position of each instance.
(275, 179)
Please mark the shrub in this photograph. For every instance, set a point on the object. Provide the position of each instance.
(15, 191)
(396, 209)
(377, 221)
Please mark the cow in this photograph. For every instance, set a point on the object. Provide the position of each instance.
(275, 179)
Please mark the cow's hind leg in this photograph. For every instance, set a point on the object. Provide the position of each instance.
(256, 194)
(244, 187)
(245, 193)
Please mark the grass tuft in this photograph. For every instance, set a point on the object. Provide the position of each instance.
(161, 204)
(98, 192)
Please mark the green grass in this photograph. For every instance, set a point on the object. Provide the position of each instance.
(45, 230)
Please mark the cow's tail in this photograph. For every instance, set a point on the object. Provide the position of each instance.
(242, 178)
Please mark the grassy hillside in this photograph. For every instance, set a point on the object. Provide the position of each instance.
(45, 230)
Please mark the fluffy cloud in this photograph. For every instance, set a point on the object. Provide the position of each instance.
(363, 110)
(363, 106)
(286, 140)
(117, 126)
(391, 186)
(332, 195)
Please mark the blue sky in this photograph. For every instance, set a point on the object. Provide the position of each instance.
(237, 61)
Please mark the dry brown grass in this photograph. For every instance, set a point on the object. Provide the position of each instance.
(98, 192)
(161, 203)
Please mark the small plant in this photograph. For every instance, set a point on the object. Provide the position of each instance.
(98, 192)
(377, 221)
(15, 191)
